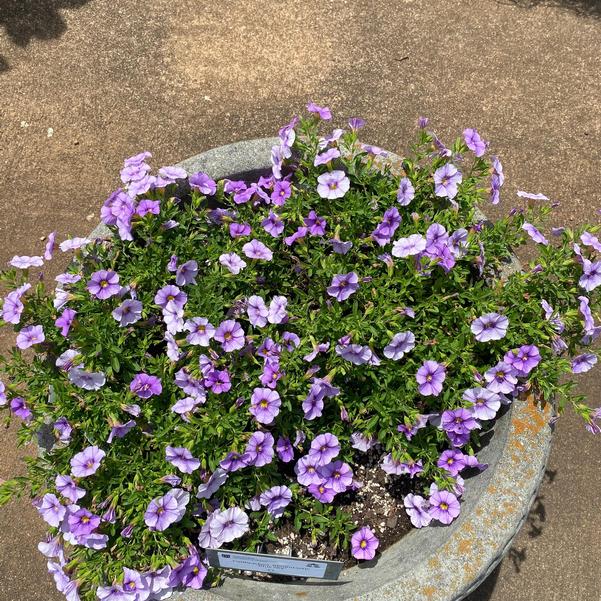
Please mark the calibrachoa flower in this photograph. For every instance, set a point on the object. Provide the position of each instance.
(333, 184)
(26, 262)
(524, 359)
(400, 344)
(170, 294)
(257, 250)
(145, 386)
(104, 284)
(534, 234)
(430, 377)
(87, 380)
(51, 510)
(229, 525)
(417, 509)
(364, 544)
(406, 192)
(583, 363)
(444, 506)
(446, 180)
(201, 331)
(232, 262)
(324, 448)
(452, 461)
(474, 142)
(410, 246)
(501, 378)
(20, 408)
(265, 405)
(322, 492)
(491, 326)
(166, 510)
(29, 336)
(128, 312)
(337, 475)
(591, 275)
(231, 335)
(182, 459)
(259, 450)
(485, 403)
(276, 499)
(343, 285)
(87, 462)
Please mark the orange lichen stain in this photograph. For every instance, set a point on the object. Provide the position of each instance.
(491, 489)
(464, 546)
(301, 594)
(468, 527)
(429, 591)
(534, 419)
(434, 563)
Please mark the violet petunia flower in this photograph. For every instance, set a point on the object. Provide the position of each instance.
(322, 492)
(337, 475)
(501, 378)
(408, 247)
(201, 331)
(417, 509)
(284, 449)
(259, 450)
(65, 321)
(306, 470)
(182, 459)
(299, 234)
(343, 285)
(317, 225)
(128, 312)
(273, 225)
(73, 244)
(82, 522)
(26, 262)
(446, 180)
(103, 284)
(66, 486)
(333, 184)
(213, 484)
(119, 430)
(583, 363)
(324, 448)
(20, 408)
(51, 510)
(29, 336)
(232, 262)
(276, 499)
(148, 207)
(239, 230)
(145, 386)
(282, 190)
(50, 246)
(231, 335)
(532, 196)
(265, 405)
(534, 234)
(257, 311)
(474, 142)
(430, 377)
(325, 157)
(87, 462)
(485, 403)
(170, 294)
(87, 380)
(444, 506)
(591, 275)
(364, 544)
(203, 183)
(361, 442)
(524, 359)
(406, 192)
(257, 250)
(451, 460)
(166, 510)
(186, 273)
(490, 326)
(322, 111)
(401, 343)
(229, 525)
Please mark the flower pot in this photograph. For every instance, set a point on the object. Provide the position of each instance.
(434, 563)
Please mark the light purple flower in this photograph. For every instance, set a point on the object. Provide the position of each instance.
(524, 359)
(114, 592)
(317, 225)
(430, 377)
(104, 284)
(257, 250)
(63, 429)
(452, 461)
(284, 449)
(322, 492)
(361, 442)
(213, 484)
(333, 184)
(51, 510)
(239, 230)
(531, 196)
(446, 180)
(170, 294)
(276, 499)
(166, 510)
(490, 326)
(323, 111)
(410, 246)
(229, 525)
(186, 273)
(299, 234)
(485, 403)
(203, 183)
(68, 489)
(65, 321)
(259, 449)
(265, 405)
(26, 262)
(356, 123)
(444, 506)
(148, 207)
(406, 192)
(201, 331)
(136, 585)
(326, 157)
(145, 386)
(128, 312)
(182, 459)
(355, 353)
(501, 378)
(343, 285)
(87, 462)
(257, 311)
(169, 175)
(50, 245)
(231, 335)
(73, 244)
(273, 225)
(232, 262)
(306, 470)
(591, 275)
(417, 509)
(119, 430)
(20, 408)
(324, 448)
(583, 363)
(82, 522)
(12, 308)
(474, 142)
(339, 247)
(337, 474)
(29, 336)
(400, 344)
(282, 190)
(87, 380)
(534, 234)
(364, 544)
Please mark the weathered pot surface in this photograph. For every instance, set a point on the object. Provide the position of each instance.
(437, 563)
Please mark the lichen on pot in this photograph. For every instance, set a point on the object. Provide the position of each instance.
(226, 356)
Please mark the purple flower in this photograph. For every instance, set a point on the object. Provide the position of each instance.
(583, 363)
(591, 275)
(189, 574)
(257, 250)
(474, 142)
(145, 386)
(281, 192)
(134, 584)
(29, 336)
(229, 525)
(531, 196)
(452, 461)
(277, 310)
(82, 522)
(284, 449)
(234, 461)
(326, 157)
(87, 380)
(400, 344)
(410, 246)
(68, 489)
(306, 470)
(323, 111)
(12, 308)
(201, 331)
(313, 404)
(276, 499)
(524, 359)
(339, 247)
(430, 377)
(490, 326)
(231, 335)
(73, 244)
(324, 448)
(444, 506)
(259, 449)
(322, 492)
(446, 179)
(534, 234)
(273, 225)
(485, 403)
(337, 474)
(501, 378)
(186, 273)
(128, 312)
(355, 353)
(51, 510)
(50, 245)
(257, 311)
(333, 184)
(104, 284)
(166, 510)
(364, 544)
(203, 183)
(68, 278)
(317, 225)
(406, 192)
(458, 421)
(299, 234)
(87, 462)
(182, 459)
(232, 262)
(362, 442)
(20, 409)
(265, 405)
(63, 429)
(148, 207)
(356, 123)
(170, 294)
(26, 262)
(119, 430)
(239, 230)
(343, 285)
(417, 509)
(169, 175)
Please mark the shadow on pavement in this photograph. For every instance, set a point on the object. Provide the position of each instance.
(517, 555)
(583, 8)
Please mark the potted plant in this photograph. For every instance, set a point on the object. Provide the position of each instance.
(271, 364)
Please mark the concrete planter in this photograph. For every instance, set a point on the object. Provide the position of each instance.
(434, 563)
